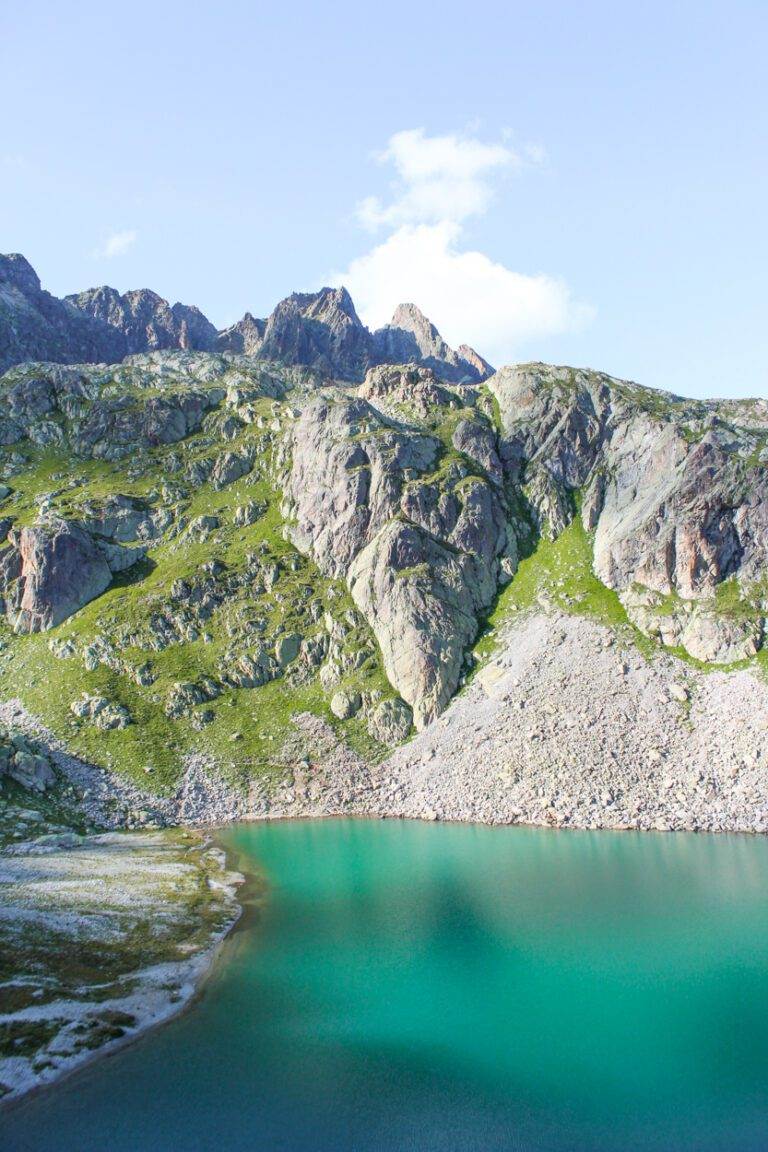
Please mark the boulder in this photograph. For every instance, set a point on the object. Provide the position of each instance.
(721, 639)
(229, 467)
(31, 770)
(344, 705)
(287, 648)
(202, 526)
(247, 514)
(390, 722)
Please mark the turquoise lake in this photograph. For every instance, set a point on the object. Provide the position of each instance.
(405, 986)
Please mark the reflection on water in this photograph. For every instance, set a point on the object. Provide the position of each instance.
(434, 987)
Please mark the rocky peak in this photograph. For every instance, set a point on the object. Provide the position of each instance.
(245, 337)
(411, 337)
(475, 361)
(411, 318)
(319, 330)
(146, 321)
(17, 271)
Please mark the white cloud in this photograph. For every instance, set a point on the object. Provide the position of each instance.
(117, 244)
(441, 182)
(439, 178)
(471, 298)
(15, 160)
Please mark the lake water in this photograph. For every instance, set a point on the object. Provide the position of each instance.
(420, 987)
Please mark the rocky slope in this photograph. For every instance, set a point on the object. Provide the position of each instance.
(201, 546)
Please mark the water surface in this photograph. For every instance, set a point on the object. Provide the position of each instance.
(436, 987)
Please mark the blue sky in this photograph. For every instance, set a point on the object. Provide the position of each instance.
(580, 183)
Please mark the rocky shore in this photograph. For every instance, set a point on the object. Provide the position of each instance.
(567, 724)
(102, 937)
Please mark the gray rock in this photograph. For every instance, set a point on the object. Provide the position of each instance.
(247, 514)
(229, 467)
(50, 571)
(287, 648)
(202, 526)
(101, 712)
(390, 722)
(31, 770)
(344, 705)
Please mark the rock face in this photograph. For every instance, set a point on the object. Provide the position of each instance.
(418, 547)
(53, 569)
(675, 491)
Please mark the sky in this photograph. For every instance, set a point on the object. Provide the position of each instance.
(583, 184)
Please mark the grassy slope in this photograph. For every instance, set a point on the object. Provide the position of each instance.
(559, 572)
(249, 724)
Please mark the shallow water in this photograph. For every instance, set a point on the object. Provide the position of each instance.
(415, 986)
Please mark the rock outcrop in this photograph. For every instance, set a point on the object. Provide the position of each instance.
(419, 546)
(54, 568)
(675, 491)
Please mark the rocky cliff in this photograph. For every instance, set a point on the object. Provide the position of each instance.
(201, 546)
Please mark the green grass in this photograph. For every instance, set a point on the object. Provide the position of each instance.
(559, 572)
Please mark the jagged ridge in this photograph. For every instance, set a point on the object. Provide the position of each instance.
(319, 330)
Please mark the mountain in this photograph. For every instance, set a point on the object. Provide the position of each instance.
(349, 539)
(236, 579)
(320, 331)
(300, 569)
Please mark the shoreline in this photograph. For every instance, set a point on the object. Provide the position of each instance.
(134, 1036)
(162, 992)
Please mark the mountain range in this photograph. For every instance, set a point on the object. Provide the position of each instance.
(319, 330)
